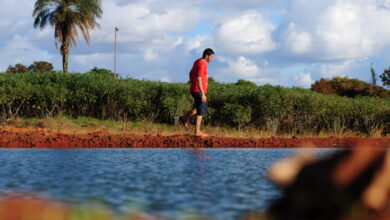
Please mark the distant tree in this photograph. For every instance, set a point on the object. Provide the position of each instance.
(242, 82)
(11, 69)
(345, 86)
(100, 70)
(41, 66)
(68, 17)
(19, 68)
(385, 77)
(323, 86)
(373, 75)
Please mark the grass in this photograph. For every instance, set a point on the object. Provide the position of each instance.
(84, 125)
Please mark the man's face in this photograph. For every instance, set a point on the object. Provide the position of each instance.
(209, 58)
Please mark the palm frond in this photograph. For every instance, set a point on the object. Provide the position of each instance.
(67, 17)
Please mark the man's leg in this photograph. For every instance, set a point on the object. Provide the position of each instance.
(189, 114)
(183, 119)
(202, 110)
(197, 124)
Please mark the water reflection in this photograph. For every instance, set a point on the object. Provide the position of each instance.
(199, 181)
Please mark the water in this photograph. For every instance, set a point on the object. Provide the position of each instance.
(216, 183)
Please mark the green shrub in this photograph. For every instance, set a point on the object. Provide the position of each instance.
(175, 101)
(242, 82)
(236, 115)
(273, 108)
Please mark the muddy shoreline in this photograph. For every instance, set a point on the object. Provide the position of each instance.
(40, 138)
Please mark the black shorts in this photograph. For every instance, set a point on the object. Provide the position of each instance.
(201, 107)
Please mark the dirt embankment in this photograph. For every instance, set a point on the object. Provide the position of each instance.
(40, 138)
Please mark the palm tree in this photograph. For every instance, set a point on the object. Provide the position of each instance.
(67, 17)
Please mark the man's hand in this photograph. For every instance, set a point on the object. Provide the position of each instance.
(204, 98)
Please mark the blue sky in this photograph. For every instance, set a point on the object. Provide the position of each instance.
(288, 43)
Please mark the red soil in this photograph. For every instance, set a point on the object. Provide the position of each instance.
(40, 138)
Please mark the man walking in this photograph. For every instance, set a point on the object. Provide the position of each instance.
(198, 89)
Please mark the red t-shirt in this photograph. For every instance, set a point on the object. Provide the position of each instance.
(199, 69)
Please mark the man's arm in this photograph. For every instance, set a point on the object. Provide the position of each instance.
(199, 82)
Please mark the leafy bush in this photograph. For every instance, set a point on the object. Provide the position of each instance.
(273, 108)
(175, 101)
(237, 115)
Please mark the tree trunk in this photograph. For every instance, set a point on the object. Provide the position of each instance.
(65, 48)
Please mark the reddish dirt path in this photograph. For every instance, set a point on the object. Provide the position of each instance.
(39, 138)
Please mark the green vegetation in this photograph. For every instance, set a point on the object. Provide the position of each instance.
(85, 125)
(242, 82)
(274, 109)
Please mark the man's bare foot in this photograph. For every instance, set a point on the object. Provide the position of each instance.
(183, 122)
(200, 134)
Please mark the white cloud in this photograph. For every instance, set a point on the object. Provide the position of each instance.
(337, 30)
(245, 34)
(20, 50)
(150, 55)
(13, 11)
(298, 42)
(243, 5)
(141, 23)
(89, 61)
(343, 33)
(15, 20)
(303, 80)
(336, 69)
(242, 68)
(197, 42)
(164, 79)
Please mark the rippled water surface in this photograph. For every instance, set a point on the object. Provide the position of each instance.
(216, 183)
